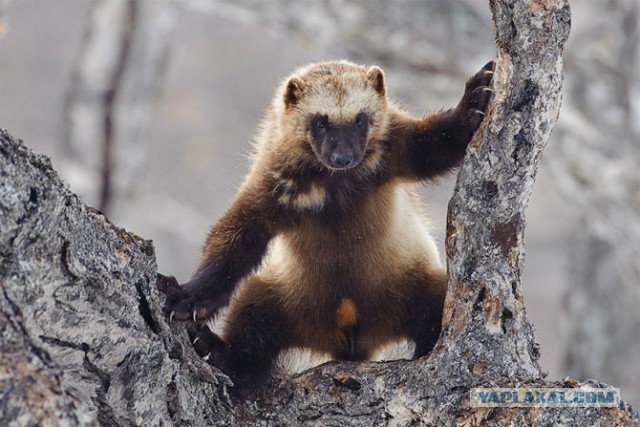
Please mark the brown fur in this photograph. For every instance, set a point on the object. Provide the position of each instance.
(334, 251)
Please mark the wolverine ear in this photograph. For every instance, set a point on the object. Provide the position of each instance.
(293, 92)
(376, 78)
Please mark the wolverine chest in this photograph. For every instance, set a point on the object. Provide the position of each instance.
(351, 253)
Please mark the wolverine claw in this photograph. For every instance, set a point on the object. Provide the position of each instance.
(483, 89)
(489, 66)
(173, 313)
(196, 340)
(195, 316)
(476, 98)
(206, 358)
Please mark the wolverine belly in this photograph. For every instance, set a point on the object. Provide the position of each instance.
(349, 281)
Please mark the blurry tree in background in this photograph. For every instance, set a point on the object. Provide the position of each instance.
(3, 23)
(596, 162)
(438, 39)
(594, 152)
(115, 81)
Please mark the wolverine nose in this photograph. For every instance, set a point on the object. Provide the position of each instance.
(342, 160)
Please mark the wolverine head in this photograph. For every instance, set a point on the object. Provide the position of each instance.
(339, 108)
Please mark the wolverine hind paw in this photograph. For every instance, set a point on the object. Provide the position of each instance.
(209, 346)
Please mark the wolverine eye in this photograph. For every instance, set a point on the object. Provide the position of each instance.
(362, 121)
(319, 123)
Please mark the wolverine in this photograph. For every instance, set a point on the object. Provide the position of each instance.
(326, 245)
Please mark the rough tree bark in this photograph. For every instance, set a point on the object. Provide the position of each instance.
(83, 341)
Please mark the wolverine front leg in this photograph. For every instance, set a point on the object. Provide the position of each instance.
(234, 247)
(437, 142)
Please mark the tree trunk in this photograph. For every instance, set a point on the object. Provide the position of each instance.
(84, 343)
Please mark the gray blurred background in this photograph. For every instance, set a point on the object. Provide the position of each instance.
(147, 109)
